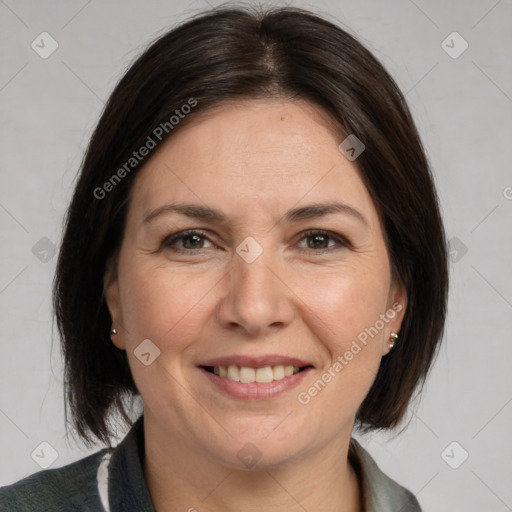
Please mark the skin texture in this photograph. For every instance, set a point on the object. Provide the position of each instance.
(253, 160)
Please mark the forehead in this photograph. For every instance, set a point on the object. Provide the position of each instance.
(253, 156)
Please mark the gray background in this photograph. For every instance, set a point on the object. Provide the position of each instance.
(463, 110)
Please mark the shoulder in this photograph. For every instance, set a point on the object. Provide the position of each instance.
(381, 493)
(73, 487)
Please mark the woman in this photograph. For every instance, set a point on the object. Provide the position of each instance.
(254, 248)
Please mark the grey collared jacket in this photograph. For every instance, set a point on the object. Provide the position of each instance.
(112, 480)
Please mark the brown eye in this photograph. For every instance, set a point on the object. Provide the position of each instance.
(318, 241)
(190, 241)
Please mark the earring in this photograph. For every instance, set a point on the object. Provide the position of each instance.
(113, 331)
(394, 337)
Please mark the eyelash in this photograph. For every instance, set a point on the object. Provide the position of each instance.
(341, 241)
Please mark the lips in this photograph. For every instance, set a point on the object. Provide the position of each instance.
(254, 390)
(260, 370)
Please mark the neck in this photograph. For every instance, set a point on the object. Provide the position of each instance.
(182, 479)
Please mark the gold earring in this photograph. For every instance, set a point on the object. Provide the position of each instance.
(394, 337)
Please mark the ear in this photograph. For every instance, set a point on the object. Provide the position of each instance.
(397, 305)
(112, 299)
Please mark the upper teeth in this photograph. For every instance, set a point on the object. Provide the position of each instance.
(246, 374)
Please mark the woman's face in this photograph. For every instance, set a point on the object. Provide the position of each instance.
(253, 290)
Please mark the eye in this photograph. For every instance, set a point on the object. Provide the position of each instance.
(320, 238)
(193, 241)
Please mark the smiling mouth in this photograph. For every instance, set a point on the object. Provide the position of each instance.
(248, 375)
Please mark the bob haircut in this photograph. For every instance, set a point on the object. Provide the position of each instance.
(230, 53)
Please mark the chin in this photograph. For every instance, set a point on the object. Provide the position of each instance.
(258, 448)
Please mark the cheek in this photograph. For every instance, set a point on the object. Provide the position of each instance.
(349, 301)
(161, 304)
(167, 308)
(350, 305)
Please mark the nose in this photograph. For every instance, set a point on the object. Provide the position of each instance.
(255, 297)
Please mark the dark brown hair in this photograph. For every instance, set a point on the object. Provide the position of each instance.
(239, 52)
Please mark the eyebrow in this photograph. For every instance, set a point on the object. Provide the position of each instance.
(207, 213)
